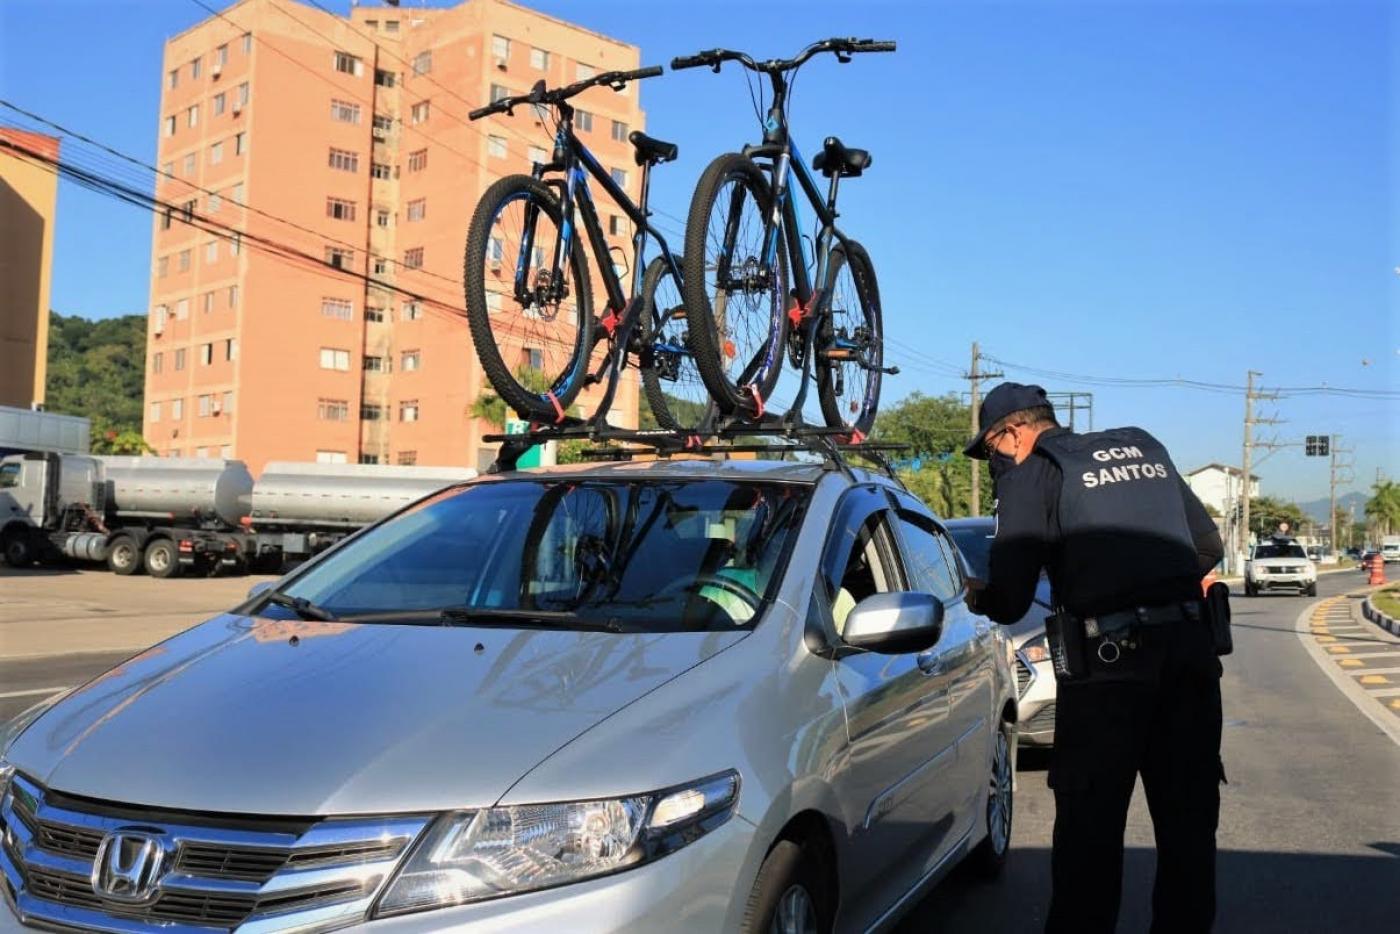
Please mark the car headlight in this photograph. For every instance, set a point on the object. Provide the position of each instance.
(469, 856)
(1036, 649)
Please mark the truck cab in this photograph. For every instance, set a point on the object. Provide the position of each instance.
(43, 494)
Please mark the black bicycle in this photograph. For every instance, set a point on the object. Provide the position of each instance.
(743, 319)
(528, 293)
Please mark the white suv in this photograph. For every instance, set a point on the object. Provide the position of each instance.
(1280, 564)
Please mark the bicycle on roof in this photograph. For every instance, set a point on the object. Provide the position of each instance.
(528, 292)
(743, 318)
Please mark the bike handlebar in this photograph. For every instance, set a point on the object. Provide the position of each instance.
(539, 94)
(841, 48)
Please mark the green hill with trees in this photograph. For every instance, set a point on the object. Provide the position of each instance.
(97, 369)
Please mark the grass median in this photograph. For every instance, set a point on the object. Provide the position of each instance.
(1388, 601)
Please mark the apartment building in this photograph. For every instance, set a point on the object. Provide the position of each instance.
(334, 158)
(28, 197)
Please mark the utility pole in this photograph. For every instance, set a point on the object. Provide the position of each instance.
(976, 376)
(1250, 395)
(1337, 466)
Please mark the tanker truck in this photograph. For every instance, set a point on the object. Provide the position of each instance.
(170, 516)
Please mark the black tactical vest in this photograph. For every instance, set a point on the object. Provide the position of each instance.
(1123, 527)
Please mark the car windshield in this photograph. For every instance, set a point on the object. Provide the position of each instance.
(1279, 550)
(975, 542)
(625, 555)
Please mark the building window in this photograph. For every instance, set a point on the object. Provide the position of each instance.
(531, 357)
(340, 210)
(174, 76)
(583, 72)
(332, 410)
(233, 296)
(226, 451)
(239, 145)
(157, 362)
(614, 225)
(500, 49)
(221, 56)
(381, 217)
(369, 412)
(495, 251)
(179, 359)
(499, 92)
(536, 155)
(390, 25)
(231, 349)
(374, 364)
(619, 131)
(195, 67)
(374, 314)
(177, 412)
(371, 458)
(208, 302)
(155, 411)
(372, 23)
(583, 120)
(241, 100)
(167, 169)
(411, 311)
(493, 302)
(539, 59)
(206, 353)
(228, 402)
(381, 266)
(620, 176)
(205, 406)
(496, 146)
(417, 209)
(385, 79)
(162, 267)
(211, 251)
(347, 161)
(247, 43)
(345, 112)
(411, 359)
(216, 153)
(406, 458)
(332, 359)
(166, 217)
(418, 113)
(215, 202)
(383, 122)
(418, 160)
(408, 410)
(237, 194)
(339, 308)
(220, 101)
(413, 259)
(183, 265)
(348, 64)
(182, 309)
(187, 209)
(189, 163)
(423, 63)
(201, 452)
(169, 129)
(192, 116)
(541, 111)
(330, 457)
(338, 258)
(235, 243)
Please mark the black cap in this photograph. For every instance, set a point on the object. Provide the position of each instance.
(999, 403)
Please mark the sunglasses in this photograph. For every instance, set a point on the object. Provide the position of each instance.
(990, 443)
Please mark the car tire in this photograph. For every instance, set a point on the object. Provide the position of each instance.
(162, 559)
(791, 892)
(989, 859)
(18, 552)
(123, 556)
(1311, 591)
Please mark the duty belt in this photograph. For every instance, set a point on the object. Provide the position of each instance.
(1140, 616)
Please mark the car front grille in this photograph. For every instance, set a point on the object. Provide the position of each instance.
(1281, 569)
(1043, 720)
(218, 873)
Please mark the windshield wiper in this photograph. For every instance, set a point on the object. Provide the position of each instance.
(497, 617)
(302, 607)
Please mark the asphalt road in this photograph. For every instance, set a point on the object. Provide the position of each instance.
(1310, 821)
(1309, 837)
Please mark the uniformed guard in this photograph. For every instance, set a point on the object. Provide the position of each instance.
(1125, 543)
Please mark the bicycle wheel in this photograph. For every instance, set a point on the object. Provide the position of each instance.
(674, 389)
(850, 343)
(735, 298)
(532, 338)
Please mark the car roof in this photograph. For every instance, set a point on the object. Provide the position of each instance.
(972, 522)
(780, 471)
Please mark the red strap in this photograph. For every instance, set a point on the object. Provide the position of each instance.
(799, 311)
(558, 409)
(857, 436)
(757, 400)
(610, 322)
(693, 442)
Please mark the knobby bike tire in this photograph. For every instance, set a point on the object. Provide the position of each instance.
(836, 407)
(669, 416)
(565, 385)
(705, 339)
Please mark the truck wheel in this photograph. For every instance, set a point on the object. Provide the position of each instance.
(123, 556)
(162, 560)
(18, 552)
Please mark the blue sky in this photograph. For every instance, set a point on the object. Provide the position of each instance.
(1108, 189)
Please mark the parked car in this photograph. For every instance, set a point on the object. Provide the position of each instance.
(1035, 673)
(688, 696)
(1279, 564)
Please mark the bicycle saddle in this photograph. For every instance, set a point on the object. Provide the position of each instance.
(835, 158)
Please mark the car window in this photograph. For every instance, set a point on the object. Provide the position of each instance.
(975, 542)
(864, 573)
(1279, 550)
(9, 475)
(927, 558)
(654, 556)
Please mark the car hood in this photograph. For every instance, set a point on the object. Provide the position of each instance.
(258, 716)
(1283, 562)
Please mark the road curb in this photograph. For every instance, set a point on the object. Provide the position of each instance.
(1357, 695)
(1388, 623)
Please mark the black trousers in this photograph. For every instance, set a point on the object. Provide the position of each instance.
(1155, 712)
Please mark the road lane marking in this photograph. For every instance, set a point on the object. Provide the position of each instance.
(31, 692)
(1357, 674)
(1350, 663)
(1337, 649)
(1374, 679)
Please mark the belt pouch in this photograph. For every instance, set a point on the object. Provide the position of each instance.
(1065, 636)
(1217, 614)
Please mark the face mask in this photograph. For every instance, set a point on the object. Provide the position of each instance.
(999, 464)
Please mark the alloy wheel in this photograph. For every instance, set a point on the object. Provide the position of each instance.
(795, 914)
(999, 796)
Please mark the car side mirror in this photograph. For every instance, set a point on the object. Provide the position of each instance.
(895, 623)
(259, 587)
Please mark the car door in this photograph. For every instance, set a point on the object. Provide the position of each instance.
(900, 746)
(962, 656)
